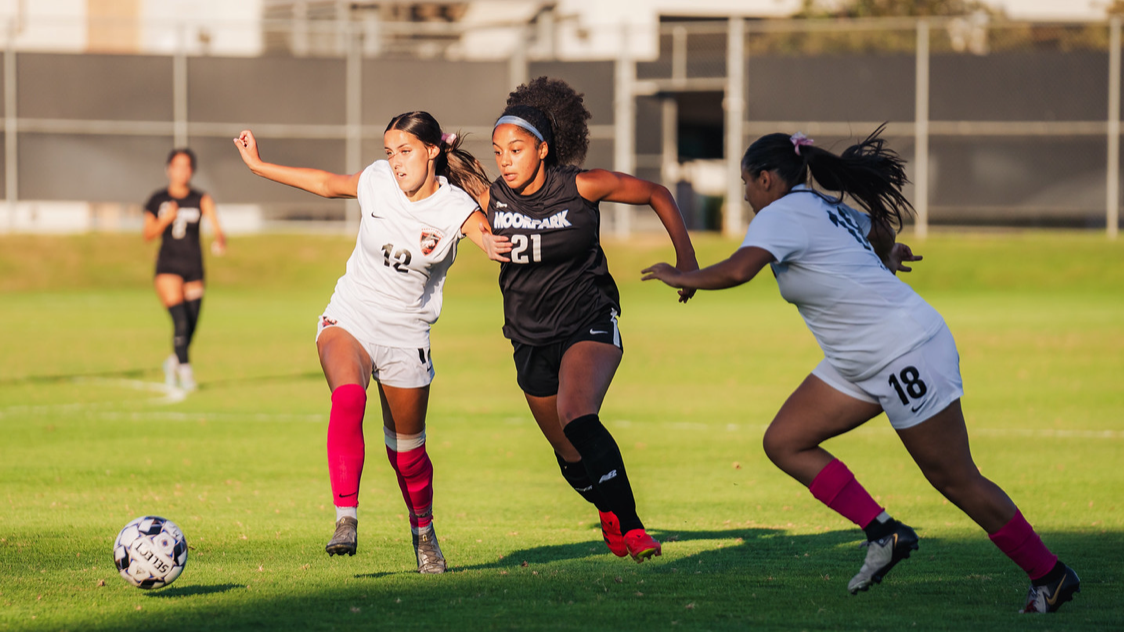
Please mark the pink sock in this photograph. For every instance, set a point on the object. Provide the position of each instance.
(415, 477)
(836, 487)
(1019, 542)
(345, 443)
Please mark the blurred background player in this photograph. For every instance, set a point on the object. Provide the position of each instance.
(560, 303)
(414, 211)
(885, 349)
(174, 213)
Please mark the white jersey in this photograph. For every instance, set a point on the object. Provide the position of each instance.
(391, 291)
(862, 315)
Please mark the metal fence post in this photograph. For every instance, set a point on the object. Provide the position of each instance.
(921, 131)
(624, 143)
(517, 64)
(732, 217)
(179, 88)
(1112, 210)
(11, 147)
(353, 147)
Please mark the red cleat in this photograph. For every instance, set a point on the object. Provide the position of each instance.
(641, 546)
(611, 531)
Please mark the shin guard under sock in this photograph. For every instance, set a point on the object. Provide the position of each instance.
(836, 487)
(415, 478)
(578, 478)
(345, 443)
(179, 331)
(1019, 542)
(605, 467)
(193, 309)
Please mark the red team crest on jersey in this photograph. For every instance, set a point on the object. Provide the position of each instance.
(326, 322)
(429, 241)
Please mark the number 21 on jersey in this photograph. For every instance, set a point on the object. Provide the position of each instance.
(519, 245)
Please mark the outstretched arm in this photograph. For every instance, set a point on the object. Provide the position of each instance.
(476, 228)
(597, 185)
(322, 183)
(742, 266)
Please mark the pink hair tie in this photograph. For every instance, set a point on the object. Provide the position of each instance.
(800, 140)
(448, 138)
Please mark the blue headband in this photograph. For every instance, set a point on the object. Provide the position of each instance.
(515, 120)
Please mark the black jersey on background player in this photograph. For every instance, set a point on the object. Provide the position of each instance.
(558, 277)
(180, 252)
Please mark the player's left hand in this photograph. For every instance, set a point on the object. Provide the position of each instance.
(665, 272)
(900, 253)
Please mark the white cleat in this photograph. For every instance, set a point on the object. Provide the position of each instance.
(881, 556)
(170, 366)
(186, 377)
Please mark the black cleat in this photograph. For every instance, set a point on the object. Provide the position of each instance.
(344, 540)
(1050, 596)
(881, 556)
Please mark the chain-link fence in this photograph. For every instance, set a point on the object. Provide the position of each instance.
(1007, 124)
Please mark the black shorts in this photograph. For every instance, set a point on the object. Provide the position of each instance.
(536, 366)
(189, 270)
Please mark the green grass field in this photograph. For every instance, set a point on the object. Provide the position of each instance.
(87, 445)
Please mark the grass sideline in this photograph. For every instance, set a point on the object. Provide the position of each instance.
(1038, 317)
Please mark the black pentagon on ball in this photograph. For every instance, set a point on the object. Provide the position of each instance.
(151, 583)
(155, 527)
(122, 562)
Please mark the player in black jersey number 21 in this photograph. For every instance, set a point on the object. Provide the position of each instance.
(174, 214)
(560, 303)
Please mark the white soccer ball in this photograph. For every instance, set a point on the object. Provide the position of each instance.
(150, 552)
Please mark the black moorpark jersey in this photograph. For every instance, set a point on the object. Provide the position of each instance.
(558, 277)
(179, 246)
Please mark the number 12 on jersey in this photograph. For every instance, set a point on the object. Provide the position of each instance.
(519, 248)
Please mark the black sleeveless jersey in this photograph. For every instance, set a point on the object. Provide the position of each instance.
(180, 242)
(558, 277)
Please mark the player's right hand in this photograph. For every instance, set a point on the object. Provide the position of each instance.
(247, 147)
(168, 211)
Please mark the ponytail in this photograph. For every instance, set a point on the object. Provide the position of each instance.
(871, 173)
(461, 168)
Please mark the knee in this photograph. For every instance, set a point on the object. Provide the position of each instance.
(777, 446)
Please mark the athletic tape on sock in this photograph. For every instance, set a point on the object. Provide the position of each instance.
(403, 442)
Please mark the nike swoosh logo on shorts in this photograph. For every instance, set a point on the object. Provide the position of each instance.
(597, 332)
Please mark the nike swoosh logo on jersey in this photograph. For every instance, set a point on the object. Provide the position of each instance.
(916, 408)
(377, 216)
(597, 332)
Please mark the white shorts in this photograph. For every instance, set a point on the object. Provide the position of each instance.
(913, 387)
(392, 366)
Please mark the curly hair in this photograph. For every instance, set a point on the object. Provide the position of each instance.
(561, 110)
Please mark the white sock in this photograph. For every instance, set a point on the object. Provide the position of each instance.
(883, 517)
(348, 512)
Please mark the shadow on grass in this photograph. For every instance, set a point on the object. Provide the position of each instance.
(749, 578)
(173, 592)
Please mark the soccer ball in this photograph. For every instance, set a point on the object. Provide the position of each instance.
(150, 552)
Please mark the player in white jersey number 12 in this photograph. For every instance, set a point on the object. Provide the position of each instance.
(885, 349)
(415, 209)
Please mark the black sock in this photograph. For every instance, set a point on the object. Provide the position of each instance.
(605, 467)
(578, 478)
(878, 529)
(179, 331)
(193, 308)
(1054, 576)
